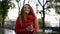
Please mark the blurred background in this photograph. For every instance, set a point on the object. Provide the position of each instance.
(47, 12)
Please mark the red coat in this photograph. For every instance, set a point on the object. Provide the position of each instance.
(21, 30)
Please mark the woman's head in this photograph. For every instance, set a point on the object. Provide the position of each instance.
(27, 9)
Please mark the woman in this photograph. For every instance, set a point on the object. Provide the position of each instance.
(26, 22)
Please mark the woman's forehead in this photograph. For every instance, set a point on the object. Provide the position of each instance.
(26, 6)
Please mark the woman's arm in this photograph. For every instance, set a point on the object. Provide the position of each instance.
(36, 25)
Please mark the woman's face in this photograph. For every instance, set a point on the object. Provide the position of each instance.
(26, 9)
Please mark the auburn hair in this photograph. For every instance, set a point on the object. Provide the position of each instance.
(23, 18)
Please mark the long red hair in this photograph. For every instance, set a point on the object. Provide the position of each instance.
(23, 18)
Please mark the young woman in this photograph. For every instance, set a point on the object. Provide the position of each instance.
(26, 22)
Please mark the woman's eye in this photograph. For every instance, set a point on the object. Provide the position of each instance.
(24, 7)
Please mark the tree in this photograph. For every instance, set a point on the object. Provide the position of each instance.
(40, 23)
(4, 6)
(54, 5)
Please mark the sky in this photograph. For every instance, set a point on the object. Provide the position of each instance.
(49, 17)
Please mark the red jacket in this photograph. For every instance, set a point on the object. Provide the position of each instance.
(21, 30)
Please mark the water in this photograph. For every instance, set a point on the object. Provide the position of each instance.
(7, 31)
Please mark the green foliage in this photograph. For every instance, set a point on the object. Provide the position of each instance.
(57, 0)
(1, 8)
(4, 7)
(40, 23)
(0, 30)
(48, 7)
(58, 12)
(6, 4)
(0, 17)
(57, 7)
(50, 0)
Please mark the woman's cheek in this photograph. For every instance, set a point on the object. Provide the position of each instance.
(27, 12)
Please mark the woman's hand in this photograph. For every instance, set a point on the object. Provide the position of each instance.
(30, 28)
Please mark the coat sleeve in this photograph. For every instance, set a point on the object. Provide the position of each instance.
(18, 28)
(35, 29)
(31, 19)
